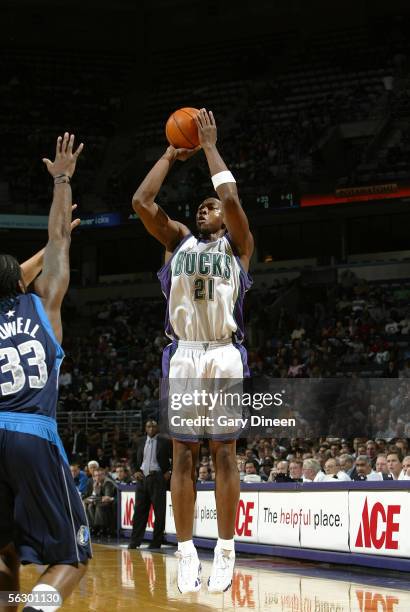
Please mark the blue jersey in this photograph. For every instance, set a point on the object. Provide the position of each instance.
(30, 359)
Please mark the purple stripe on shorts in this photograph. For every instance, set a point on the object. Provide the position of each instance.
(244, 357)
(167, 354)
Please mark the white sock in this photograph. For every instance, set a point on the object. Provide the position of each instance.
(47, 588)
(186, 547)
(225, 544)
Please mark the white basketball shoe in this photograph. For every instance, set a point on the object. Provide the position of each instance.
(222, 571)
(189, 572)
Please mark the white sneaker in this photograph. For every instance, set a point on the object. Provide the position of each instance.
(189, 572)
(222, 571)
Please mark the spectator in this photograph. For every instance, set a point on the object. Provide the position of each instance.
(346, 464)
(405, 473)
(333, 471)
(121, 474)
(381, 466)
(91, 467)
(394, 464)
(283, 468)
(371, 452)
(204, 474)
(266, 469)
(99, 503)
(296, 470)
(80, 479)
(364, 469)
(311, 468)
(251, 472)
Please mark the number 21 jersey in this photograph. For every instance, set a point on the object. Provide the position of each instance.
(204, 284)
(30, 358)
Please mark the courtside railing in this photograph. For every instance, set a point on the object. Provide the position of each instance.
(127, 420)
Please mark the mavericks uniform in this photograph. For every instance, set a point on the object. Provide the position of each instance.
(204, 284)
(40, 510)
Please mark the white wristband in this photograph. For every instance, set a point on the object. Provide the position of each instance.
(222, 177)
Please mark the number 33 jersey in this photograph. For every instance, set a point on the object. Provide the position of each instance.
(30, 358)
(204, 284)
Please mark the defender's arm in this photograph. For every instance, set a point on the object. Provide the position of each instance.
(54, 279)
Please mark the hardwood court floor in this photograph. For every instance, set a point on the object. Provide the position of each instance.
(118, 579)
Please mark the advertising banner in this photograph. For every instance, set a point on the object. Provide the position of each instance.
(325, 520)
(379, 522)
(280, 517)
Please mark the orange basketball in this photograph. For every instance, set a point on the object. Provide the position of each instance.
(181, 130)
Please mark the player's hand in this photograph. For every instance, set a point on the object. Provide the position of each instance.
(65, 160)
(138, 476)
(181, 154)
(75, 222)
(206, 125)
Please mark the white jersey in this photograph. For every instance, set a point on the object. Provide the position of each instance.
(204, 284)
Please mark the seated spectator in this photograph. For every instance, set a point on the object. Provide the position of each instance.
(240, 461)
(296, 470)
(251, 472)
(265, 469)
(80, 479)
(311, 468)
(405, 473)
(364, 469)
(121, 474)
(333, 471)
(91, 467)
(99, 503)
(381, 465)
(283, 468)
(371, 452)
(204, 473)
(296, 369)
(346, 464)
(394, 464)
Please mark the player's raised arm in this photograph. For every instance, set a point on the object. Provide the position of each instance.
(156, 221)
(31, 268)
(53, 282)
(235, 218)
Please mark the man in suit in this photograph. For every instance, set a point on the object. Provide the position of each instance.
(100, 503)
(152, 471)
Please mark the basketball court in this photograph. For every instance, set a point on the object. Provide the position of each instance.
(119, 579)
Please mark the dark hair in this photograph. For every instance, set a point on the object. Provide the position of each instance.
(10, 275)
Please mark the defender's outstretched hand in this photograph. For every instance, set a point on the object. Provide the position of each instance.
(182, 154)
(75, 222)
(206, 125)
(65, 160)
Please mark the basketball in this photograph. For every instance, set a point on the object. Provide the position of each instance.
(181, 130)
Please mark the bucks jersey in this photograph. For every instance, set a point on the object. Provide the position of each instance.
(204, 284)
(30, 358)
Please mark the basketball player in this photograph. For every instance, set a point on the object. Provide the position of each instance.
(204, 279)
(42, 519)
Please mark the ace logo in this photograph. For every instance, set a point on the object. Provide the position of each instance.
(128, 512)
(370, 602)
(378, 527)
(244, 518)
